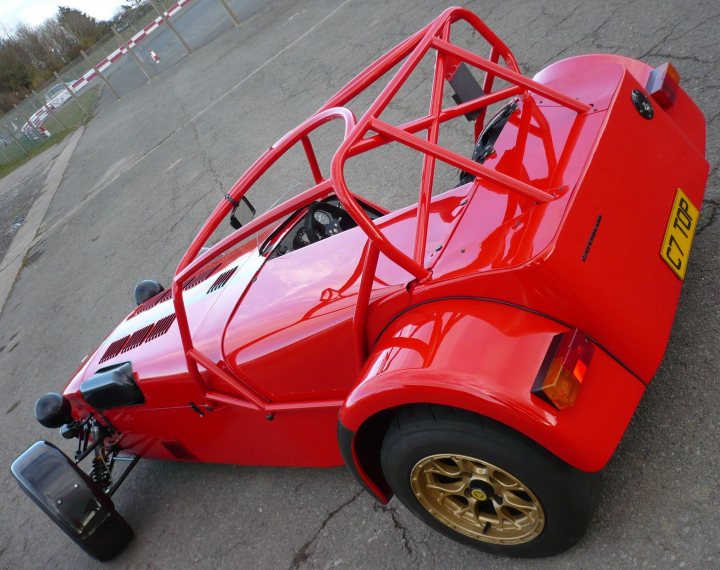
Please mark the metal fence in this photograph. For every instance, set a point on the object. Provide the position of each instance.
(70, 97)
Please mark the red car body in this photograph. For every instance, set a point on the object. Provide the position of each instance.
(257, 359)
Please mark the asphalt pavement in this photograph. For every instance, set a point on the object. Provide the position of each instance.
(147, 172)
(198, 22)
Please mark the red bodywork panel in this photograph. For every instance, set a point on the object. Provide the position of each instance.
(483, 356)
(252, 358)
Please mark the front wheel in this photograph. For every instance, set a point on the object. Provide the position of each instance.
(72, 500)
(485, 485)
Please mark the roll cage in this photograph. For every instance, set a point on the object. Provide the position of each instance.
(448, 58)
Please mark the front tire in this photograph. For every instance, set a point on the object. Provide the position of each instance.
(485, 485)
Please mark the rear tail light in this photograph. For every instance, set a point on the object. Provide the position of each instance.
(563, 369)
(663, 84)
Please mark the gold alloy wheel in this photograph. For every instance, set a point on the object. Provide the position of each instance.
(477, 499)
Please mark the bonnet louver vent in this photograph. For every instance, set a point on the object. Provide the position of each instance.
(145, 334)
(167, 294)
(222, 280)
(161, 327)
(137, 338)
(156, 300)
(200, 277)
(114, 349)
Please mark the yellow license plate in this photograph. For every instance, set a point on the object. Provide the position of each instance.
(679, 234)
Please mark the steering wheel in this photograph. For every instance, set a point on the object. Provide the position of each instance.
(322, 221)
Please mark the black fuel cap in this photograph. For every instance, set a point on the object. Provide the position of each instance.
(642, 104)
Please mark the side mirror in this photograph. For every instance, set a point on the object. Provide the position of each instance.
(243, 212)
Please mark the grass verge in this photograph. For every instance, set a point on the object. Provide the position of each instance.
(70, 114)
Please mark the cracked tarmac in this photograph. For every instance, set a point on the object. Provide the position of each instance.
(151, 167)
(304, 553)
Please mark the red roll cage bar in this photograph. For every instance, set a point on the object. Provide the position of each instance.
(435, 35)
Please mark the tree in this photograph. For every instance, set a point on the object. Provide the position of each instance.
(37, 50)
(14, 76)
(30, 55)
(85, 29)
(59, 39)
(130, 12)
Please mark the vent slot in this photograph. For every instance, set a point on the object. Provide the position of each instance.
(222, 280)
(167, 294)
(161, 327)
(114, 349)
(145, 334)
(200, 277)
(156, 300)
(179, 451)
(137, 338)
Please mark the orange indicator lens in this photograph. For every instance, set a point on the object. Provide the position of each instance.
(564, 369)
(663, 84)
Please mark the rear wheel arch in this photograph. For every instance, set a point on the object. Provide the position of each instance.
(483, 357)
(444, 368)
(362, 448)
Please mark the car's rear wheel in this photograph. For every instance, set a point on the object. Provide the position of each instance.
(485, 485)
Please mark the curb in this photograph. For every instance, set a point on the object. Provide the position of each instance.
(12, 262)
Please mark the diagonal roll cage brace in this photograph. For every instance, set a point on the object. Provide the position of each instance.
(448, 56)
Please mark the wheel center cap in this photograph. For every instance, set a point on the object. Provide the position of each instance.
(478, 495)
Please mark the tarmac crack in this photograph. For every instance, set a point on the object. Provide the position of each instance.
(672, 56)
(714, 205)
(543, 12)
(203, 152)
(668, 38)
(398, 526)
(565, 18)
(188, 210)
(303, 554)
(594, 35)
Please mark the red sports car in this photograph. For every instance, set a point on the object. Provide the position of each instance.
(479, 353)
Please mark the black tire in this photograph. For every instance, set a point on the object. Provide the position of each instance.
(108, 540)
(566, 496)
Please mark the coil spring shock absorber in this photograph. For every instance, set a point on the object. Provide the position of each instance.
(100, 473)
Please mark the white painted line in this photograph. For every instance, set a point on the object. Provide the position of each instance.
(173, 165)
(258, 69)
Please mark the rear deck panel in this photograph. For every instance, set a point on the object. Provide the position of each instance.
(602, 271)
